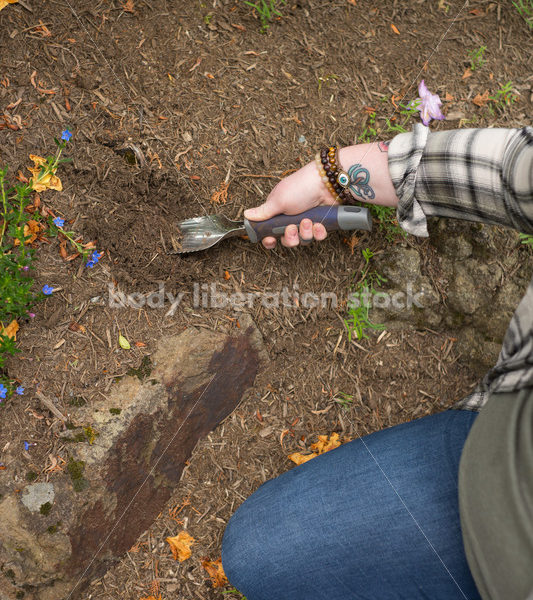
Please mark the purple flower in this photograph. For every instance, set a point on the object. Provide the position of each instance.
(47, 290)
(20, 390)
(26, 268)
(66, 135)
(31, 315)
(3, 390)
(58, 222)
(429, 105)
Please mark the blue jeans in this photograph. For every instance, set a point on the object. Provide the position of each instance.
(375, 519)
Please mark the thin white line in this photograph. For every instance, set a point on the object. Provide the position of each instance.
(412, 517)
(140, 487)
(132, 100)
(410, 86)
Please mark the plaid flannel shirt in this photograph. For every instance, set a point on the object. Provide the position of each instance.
(483, 175)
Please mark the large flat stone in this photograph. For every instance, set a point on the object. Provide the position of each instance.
(113, 488)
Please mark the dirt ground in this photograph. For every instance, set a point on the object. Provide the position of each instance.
(167, 101)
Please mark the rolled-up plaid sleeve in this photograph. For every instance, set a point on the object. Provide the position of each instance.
(483, 175)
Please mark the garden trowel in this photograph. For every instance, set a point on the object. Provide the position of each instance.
(201, 233)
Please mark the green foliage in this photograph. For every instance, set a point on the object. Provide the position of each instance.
(267, 10)
(370, 132)
(360, 301)
(343, 400)
(525, 8)
(45, 508)
(476, 58)
(503, 97)
(405, 113)
(16, 296)
(387, 222)
(326, 80)
(234, 591)
(527, 239)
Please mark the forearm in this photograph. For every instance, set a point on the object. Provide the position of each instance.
(367, 165)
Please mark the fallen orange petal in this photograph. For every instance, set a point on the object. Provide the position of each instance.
(11, 330)
(181, 545)
(216, 572)
(299, 458)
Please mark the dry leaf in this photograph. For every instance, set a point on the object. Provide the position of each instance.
(128, 6)
(216, 572)
(123, 343)
(220, 196)
(467, 73)
(326, 444)
(152, 598)
(394, 28)
(11, 330)
(181, 545)
(299, 458)
(39, 182)
(4, 3)
(75, 326)
(31, 231)
(481, 99)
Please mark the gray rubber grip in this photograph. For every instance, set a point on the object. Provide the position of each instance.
(333, 218)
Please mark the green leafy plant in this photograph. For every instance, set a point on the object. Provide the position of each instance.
(503, 97)
(343, 400)
(20, 223)
(406, 112)
(476, 58)
(369, 132)
(326, 80)
(527, 239)
(236, 592)
(387, 221)
(267, 10)
(360, 301)
(525, 8)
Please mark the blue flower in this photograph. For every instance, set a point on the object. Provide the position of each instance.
(3, 390)
(27, 445)
(58, 222)
(66, 135)
(20, 390)
(47, 290)
(93, 259)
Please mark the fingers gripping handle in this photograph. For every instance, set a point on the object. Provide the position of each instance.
(344, 218)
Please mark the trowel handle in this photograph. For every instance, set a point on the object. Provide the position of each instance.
(333, 218)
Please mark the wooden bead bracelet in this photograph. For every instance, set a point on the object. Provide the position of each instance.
(334, 178)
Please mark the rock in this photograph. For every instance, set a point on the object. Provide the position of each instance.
(37, 496)
(407, 296)
(474, 349)
(400, 266)
(124, 463)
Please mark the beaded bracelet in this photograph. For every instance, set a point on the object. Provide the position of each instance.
(334, 178)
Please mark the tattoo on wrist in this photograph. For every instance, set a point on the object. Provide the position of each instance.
(359, 182)
(383, 146)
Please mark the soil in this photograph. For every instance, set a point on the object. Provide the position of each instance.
(167, 101)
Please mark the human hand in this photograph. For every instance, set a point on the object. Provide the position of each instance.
(293, 195)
